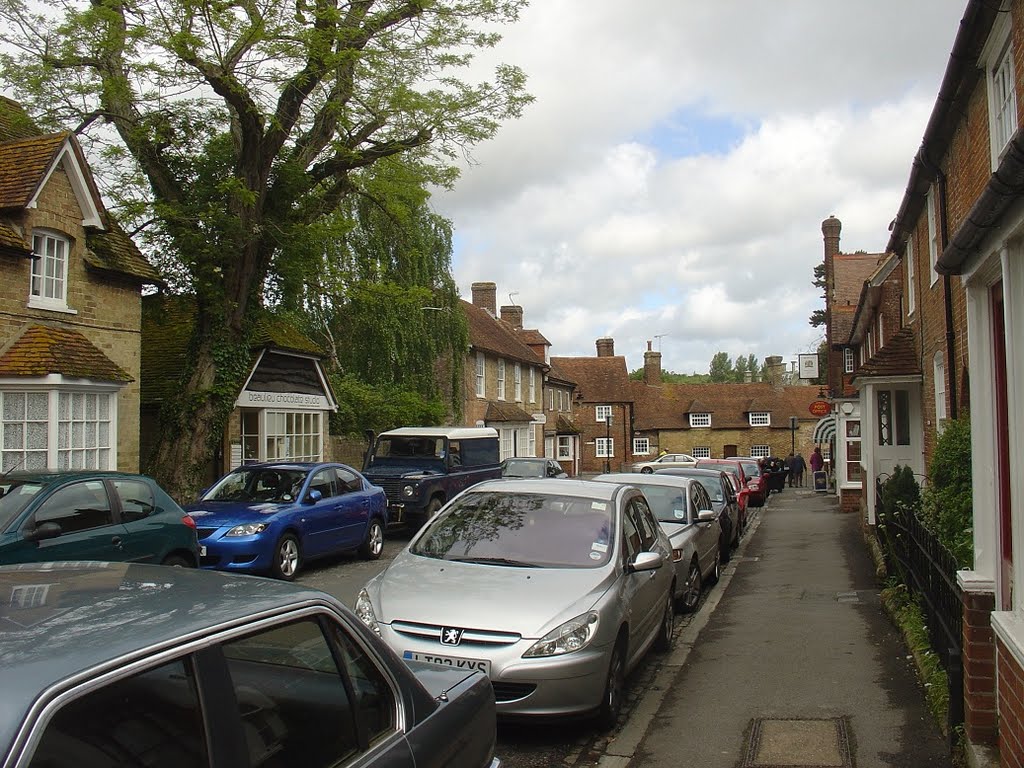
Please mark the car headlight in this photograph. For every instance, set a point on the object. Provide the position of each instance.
(364, 610)
(249, 529)
(408, 490)
(573, 635)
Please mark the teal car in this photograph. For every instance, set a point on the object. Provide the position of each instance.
(84, 515)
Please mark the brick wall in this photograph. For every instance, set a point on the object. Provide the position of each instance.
(1010, 694)
(979, 654)
(475, 408)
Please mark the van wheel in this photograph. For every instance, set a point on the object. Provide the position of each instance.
(433, 507)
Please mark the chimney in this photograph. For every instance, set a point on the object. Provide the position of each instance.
(652, 366)
(606, 347)
(775, 370)
(830, 228)
(485, 296)
(513, 315)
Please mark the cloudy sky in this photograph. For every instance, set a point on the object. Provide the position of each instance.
(670, 181)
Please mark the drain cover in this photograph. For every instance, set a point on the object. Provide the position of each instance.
(796, 743)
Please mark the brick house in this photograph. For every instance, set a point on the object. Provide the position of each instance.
(504, 384)
(70, 309)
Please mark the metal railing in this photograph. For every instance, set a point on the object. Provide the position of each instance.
(919, 560)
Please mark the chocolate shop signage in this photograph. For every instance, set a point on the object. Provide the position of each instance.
(282, 400)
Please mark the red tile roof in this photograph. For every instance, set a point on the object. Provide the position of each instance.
(23, 167)
(42, 350)
(505, 412)
(598, 379)
(490, 334)
(897, 358)
(849, 272)
(668, 406)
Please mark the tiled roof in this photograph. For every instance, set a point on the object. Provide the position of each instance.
(667, 406)
(897, 358)
(532, 336)
(11, 241)
(566, 426)
(23, 166)
(15, 124)
(598, 379)
(167, 324)
(505, 412)
(489, 334)
(849, 272)
(557, 375)
(42, 350)
(112, 250)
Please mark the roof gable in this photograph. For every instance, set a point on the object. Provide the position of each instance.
(489, 334)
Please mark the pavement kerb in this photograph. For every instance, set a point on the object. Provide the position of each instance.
(622, 748)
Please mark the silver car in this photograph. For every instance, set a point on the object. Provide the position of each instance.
(554, 588)
(685, 512)
(665, 460)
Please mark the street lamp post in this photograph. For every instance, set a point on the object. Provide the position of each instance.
(792, 429)
(607, 442)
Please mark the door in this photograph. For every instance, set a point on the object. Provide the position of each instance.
(707, 533)
(353, 507)
(322, 522)
(149, 533)
(1002, 468)
(645, 593)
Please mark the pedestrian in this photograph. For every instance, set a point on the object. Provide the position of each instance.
(788, 464)
(817, 462)
(799, 465)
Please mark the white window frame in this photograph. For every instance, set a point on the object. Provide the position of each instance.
(760, 451)
(517, 379)
(47, 289)
(292, 435)
(501, 378)
(605, 447)
(933, 232)
(848, 360)
(698, 420)
(601, 412)
(701, 452)
(564, 449)
(759, 418)
(551, 399)
(641, 446)
(997, 59)
(939, 373)
(532, 384)
(881, 331)
(911, 293)
(481, 375)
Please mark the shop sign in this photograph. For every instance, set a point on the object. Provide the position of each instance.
(820, 408)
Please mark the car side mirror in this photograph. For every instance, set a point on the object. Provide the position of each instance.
(43, 532)
(646, 561)
(706, 516)
(314, 496)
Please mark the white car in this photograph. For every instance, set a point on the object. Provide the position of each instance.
(665, 460)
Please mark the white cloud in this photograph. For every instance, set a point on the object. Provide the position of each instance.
(672, 176)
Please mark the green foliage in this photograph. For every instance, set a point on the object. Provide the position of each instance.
(721, 368)
(947, 502)
(817, 318)
(362, 407)
(671, 377)
(901, 491)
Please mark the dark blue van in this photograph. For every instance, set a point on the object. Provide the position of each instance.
(420, 468)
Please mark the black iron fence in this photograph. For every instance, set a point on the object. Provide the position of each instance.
(915, 556)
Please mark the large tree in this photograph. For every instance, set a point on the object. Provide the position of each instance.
(233, 127)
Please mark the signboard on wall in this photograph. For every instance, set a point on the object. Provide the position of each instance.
(819, 408)
(808, 368)
(282, 400)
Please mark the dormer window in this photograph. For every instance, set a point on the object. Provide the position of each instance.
(848, 360)
(48, 287)
(760, 419)
(700, 419)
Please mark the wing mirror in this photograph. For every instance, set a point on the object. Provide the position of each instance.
(43, 532)
(646, 561)
(313, 496)
(707, 516)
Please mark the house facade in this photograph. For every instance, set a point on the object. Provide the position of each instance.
(70, 309)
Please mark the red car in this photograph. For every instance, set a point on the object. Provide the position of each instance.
(734, 468)
(756, 479)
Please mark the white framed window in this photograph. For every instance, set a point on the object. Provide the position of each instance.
(602, 412)
(60, 429)
(508, 442)
(760, 451)
(292, 435)
(531, 441)
(997, 58)
(561, 400)
(641, 446)
(517, 378)
(551, 399)
(933, 232)
(881, 331)
(501, 379)
(480, 375)
(911, 293)
(760, 419)
(532, 385)
(605, 447)
(701, 452)
(700, 419)
(564, 448)
(848, 360)
(48, 286)
(939, 369)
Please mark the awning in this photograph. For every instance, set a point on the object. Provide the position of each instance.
(825, 429)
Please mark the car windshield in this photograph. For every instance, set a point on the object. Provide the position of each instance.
(713, 486)
(521, 468)
(275, 485)
(14, 497)
(667, 502)
(528, 530)
(751, 468)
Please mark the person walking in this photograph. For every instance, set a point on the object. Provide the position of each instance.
(798, 466)
(817, 465)
(788, 464)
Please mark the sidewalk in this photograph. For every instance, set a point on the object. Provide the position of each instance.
(796, 664)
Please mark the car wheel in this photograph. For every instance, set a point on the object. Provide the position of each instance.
(646, 471)
(663, 642)
(614, 689)
(692, 588)
(433, 506)
(716, 571)
(177, 561)
(287, 558)
(373, 544)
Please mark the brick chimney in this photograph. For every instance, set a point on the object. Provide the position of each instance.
(652, 366)
(774, 370)
(606, 347)
(485, 296)
(513, 315)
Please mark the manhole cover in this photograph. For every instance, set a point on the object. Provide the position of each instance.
(797, 743)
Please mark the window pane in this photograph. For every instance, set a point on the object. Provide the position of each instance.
(77, 507)
(151, 719)
(374, 697)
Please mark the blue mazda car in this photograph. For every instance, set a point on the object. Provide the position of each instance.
(272, 518)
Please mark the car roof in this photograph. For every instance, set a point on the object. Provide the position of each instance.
(46, 476)
(550, 486)
(87, 615)
(303, 465)
(449, 432)
(690, 472)
(632, 478)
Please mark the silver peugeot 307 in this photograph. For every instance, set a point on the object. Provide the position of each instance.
(554, 588)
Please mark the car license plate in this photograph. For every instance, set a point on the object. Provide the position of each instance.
(471, 665)
(202, 551)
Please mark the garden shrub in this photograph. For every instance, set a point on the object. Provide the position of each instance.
(947, 503)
